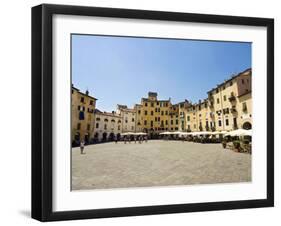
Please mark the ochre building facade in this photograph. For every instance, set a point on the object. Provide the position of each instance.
(226, 107)
(82, 116)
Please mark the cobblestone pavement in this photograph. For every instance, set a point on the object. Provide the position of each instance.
(157, 163)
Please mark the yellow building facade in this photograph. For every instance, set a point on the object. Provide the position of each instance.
(154, 116)
(227, 107)
(82, 114)
(244, 106)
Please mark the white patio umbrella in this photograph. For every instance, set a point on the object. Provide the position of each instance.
(127, 133)
(248, 132)
(205, 133)
(177, 133)
(219, 132)
(239, 133)
(140, 133)
(166, 133)
(185, 133)
(195, 133)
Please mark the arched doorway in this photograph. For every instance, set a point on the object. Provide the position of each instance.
(111, 136)
(77, 137)
(76, 140)
(104, 136)
(247, 125)
(152, 134)
(86, 138)
(96, 137)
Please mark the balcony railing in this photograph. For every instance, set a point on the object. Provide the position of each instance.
(232, 98)
(233, 110)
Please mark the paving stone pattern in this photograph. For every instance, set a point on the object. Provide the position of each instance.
(157, 163)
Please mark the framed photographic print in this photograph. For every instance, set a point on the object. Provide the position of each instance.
(145, 112)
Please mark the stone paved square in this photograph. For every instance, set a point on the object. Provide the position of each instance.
(157, 163)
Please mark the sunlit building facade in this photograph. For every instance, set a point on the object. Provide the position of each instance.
(82, 113)
(128, 116)
(226, 107)
(108, 125)
(154, 116)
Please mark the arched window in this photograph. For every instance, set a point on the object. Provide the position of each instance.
(247, 125)
(106, 120)
(98, 119)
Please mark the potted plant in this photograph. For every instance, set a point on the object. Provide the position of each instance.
(236, 145)
(224, 143)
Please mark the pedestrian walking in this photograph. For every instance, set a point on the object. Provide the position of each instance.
(116, 140)
(82, 146)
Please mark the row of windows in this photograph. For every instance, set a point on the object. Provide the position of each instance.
(213, 124)
(225, 97)
(231, 96)
(156, 110)
(243, 82)
(223, 87)
(106, 120)
(162, 128)
(162, 104)
(224, 111)
(82, 100)
(126, 120)
(82, 108)
(230, 84)
(79, 126)
(130, 112)
(105, 126)
(158, 120)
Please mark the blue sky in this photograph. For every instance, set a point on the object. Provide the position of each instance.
(121, 70)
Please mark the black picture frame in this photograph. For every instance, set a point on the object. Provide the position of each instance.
(42, 111)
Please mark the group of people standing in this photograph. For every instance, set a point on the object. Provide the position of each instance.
(135, 139)
(126, 139)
